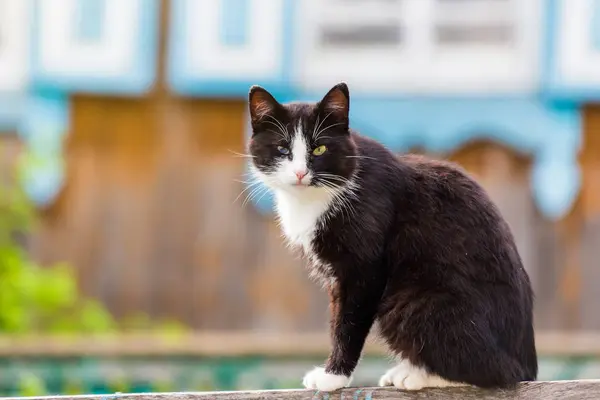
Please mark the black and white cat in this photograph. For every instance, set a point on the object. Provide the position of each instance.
(410, 243)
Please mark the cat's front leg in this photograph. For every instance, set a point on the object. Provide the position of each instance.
(353, 309)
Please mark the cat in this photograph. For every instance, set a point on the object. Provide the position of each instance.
(408, 243)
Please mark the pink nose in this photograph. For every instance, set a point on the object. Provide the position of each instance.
(300, 175)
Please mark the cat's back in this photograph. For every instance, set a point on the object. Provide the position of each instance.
(443, 209)
(430, 203)
(418, 179)
(444, 184)
(434, 170)
(376, 158)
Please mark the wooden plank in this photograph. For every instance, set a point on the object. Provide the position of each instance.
(239, 344)
(590, 204)
(589, 160)
(563, 390)
(590, 272)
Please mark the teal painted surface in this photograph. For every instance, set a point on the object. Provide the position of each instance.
(11, 110)
(45, 123)
(79, 375)
(90, 14)
(235, 22)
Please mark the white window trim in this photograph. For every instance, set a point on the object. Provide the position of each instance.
(412, 69)
(14, 51)
(578, 62)
(113, 54)
(205, 56)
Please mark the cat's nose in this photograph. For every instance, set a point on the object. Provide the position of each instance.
(300, 175)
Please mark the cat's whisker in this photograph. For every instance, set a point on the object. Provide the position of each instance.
(255, 190)
(324, 174)
(281, 127)
(365, 157)
(324, 183)
(278, 122)
(328, 127)
(321, 123)
(259, 190)
(236, 154)
(331, 190)
(279, 130)
(315, 127)
(252, 182)
(334, 177)
(263, 195)
(344, 204)
(252, 186)
(283, 137)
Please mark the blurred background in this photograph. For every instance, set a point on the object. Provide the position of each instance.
(134, 258)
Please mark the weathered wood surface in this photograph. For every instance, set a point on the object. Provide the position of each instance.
(227, 343)
(563, 390)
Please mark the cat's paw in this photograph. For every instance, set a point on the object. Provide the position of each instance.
(405, 376)
(410, 377)
(323, 381)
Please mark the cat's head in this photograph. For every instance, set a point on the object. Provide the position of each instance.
(298, 146)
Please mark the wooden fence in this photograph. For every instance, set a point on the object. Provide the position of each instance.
(560, 390)
(244, 344)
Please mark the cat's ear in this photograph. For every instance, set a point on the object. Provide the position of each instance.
(337, 102)
(261, 104)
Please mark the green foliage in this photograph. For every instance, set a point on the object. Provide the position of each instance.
(31, 385)
(37, 299)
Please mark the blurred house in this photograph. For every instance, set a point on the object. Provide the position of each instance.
(132, 109)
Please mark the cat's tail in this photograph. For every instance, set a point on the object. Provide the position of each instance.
(528, 354)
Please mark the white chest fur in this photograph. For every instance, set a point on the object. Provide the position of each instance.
(300, 215)
(300, 212)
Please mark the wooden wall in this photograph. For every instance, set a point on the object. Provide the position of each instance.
(589, 223)
(149, 219)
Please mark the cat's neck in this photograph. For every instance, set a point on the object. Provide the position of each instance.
(300, 210)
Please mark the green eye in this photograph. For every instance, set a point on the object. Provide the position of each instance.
(283, 150)
(320, 150)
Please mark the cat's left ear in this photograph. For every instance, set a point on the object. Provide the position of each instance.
(337, 103)
(261, 104)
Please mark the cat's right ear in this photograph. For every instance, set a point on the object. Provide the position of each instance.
(261, 104)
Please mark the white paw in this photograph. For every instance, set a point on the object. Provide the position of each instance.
(404, 376)
(410, 377)
(323, 381)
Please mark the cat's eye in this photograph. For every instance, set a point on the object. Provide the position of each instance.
(320, 150)
(283, 150)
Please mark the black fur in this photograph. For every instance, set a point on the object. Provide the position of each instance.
(426, 254)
